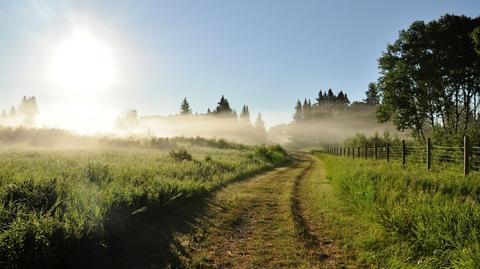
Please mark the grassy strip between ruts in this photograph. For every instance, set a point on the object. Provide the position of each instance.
(106, 208)
(396, 217)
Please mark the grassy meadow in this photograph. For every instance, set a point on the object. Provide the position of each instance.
(109, 206)
(395, 217)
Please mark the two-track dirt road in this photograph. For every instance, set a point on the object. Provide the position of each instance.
(263, 222)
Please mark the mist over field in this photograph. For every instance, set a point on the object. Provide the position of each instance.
(239, 134)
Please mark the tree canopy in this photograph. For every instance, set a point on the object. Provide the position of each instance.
(430, 77)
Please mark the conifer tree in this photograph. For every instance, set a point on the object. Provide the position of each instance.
(245, 114)
(185, 107)
(298, 115)
(372, 94)
(260, 128)
(13, 112)
(223, 106)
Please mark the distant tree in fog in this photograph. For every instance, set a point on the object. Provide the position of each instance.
(372, 95)
(260, 128)
(298, 115)
(245, 115)
(13, 112)
(29, 108)
(223, 106)
(185, 107)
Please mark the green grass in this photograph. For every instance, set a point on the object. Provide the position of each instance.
(110, 206)
(406, 217)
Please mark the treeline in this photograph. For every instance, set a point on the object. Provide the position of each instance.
(331, 117)
(24, 114)
(430, 80)
(220, 122)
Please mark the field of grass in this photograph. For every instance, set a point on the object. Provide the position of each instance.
(395, 217)
(103, 206)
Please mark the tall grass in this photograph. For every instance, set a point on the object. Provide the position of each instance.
(67, 208)
(418, 218)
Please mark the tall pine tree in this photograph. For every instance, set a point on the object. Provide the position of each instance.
(245, 115)
(260, 129)
(298, 115)
(185, 107)
(223, 107)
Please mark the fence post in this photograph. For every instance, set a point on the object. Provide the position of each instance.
(366, 152)
(466, 155)
(376, 150)
(388, 152)
(404, 153)
(429, 153)
(353, 152)
(348, 154)
(358, 152)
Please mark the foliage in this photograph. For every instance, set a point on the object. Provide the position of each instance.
(245, 115)
(223, 107)
(181, 155)
(476, 39)
(417, 218)
(185, 107)
(429, 77)
(361, 140)
(372, 95)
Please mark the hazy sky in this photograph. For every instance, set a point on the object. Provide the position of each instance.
(262, 53)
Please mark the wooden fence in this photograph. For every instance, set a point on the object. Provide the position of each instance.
(466, 157)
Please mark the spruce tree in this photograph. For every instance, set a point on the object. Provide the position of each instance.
(372, 94)
(185, 107)
(223, 106)
(260, 128)
(245, 115)
(298, 115)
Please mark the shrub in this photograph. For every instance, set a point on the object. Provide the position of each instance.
(181, 155)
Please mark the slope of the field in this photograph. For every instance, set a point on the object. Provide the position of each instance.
(112, 206)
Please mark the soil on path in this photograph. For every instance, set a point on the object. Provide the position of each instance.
(261, 222)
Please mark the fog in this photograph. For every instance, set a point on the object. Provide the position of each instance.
(57, 127)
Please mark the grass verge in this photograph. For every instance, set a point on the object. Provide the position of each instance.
(398, 217)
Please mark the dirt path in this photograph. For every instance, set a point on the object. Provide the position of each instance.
(259, 223)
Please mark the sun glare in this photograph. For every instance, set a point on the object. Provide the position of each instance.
(82, 64)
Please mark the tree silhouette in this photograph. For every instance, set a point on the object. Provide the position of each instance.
(372, 94)
(298, 115)
(245, 114)
(260, 128)
(223, 106)
(185, 107)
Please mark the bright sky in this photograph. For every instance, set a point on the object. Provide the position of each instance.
(148, 55)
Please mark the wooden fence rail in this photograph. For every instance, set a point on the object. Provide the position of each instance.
(466, 156)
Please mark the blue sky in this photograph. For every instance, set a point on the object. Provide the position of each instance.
(265, 54)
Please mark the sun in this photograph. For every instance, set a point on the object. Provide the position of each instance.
(82, 64)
